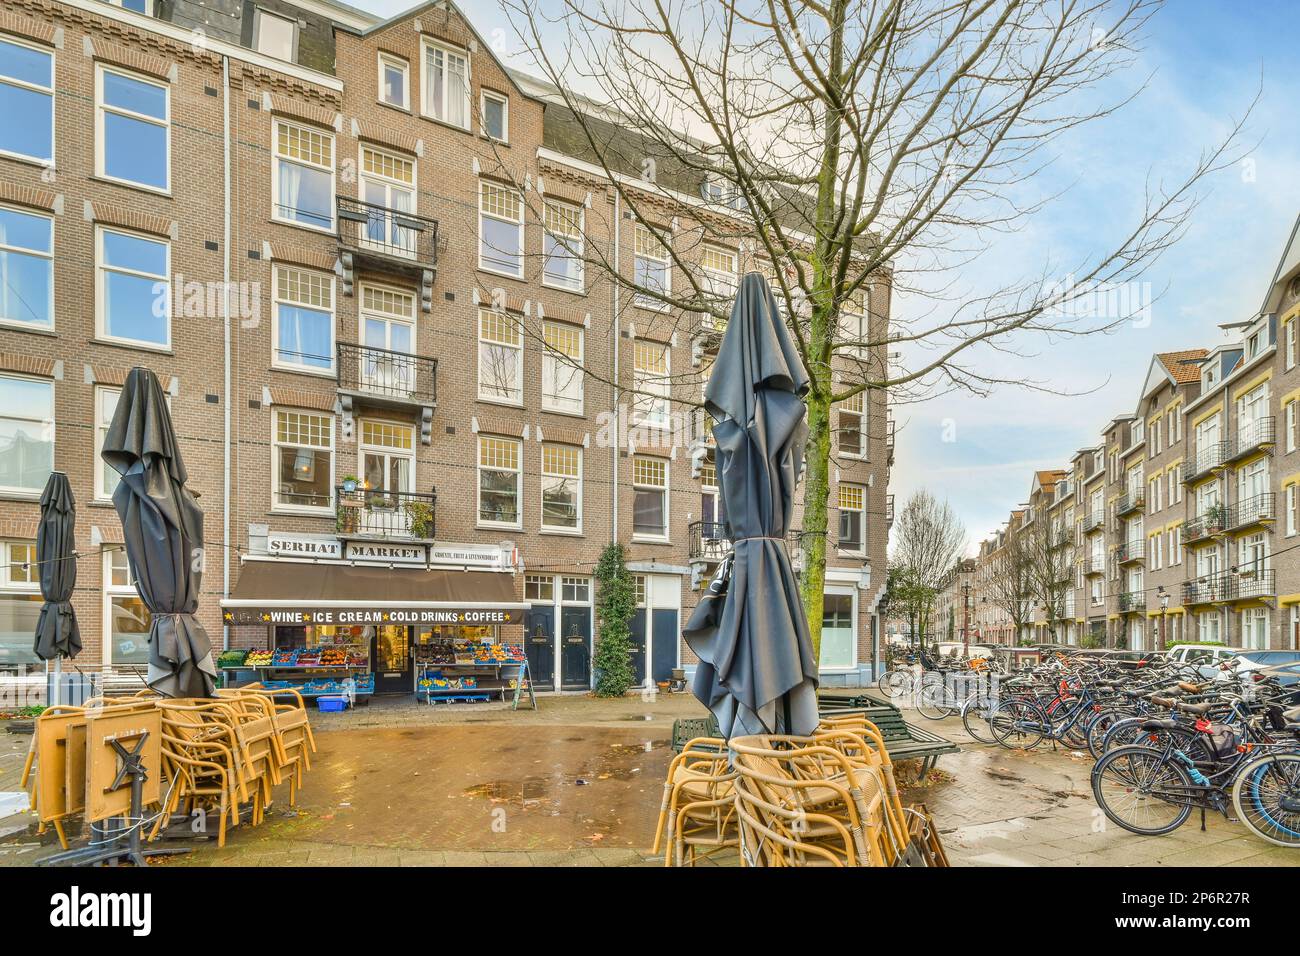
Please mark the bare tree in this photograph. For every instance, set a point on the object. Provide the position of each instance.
(848, 149)
(1010, 582)
(928, 540)
(1047, 548)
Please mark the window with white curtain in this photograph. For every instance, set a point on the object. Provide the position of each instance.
(303, 184)
(562, 488)
(562, 246)
(501, 230)
(304, 319)
(650, 497)
(446, 84)
(562, 375)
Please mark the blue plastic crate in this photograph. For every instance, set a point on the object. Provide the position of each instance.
(332, 705)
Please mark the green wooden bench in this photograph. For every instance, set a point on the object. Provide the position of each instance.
(904, 741)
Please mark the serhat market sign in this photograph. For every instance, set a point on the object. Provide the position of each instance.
(302, 546)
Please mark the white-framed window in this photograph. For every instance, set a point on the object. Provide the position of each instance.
(1289, 335)
(495, 115)
(446, 84)
(562, 374)
(302, 466)
(275, 35)
(650, 497)
(651, 371)
(500, 357)
(562, 245)
(1207, 626)
(651, 268)
(387, 363)
(26, 100)
(1292, 502)
(106, 478)
(134, 288)
(1176, 546)
(132, 128)
(720, 271)
(640, 587)
(26, 267)
(304, 320)
(20, 603)
(853, 426)
(500, 230)
(1252, 409)
(851, 501)
(303, 181)
(500, 478)
(26, 433)
(388, 186)
(1254, 628)
(126, 619)
(562, 488)
(394, 81)
(839, 649)
(575, 590)
(539, 588)
(139, 6)
(1289, 424)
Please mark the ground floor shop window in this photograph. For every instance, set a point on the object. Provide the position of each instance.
(126, 619)
(20, 606)
(839, 635)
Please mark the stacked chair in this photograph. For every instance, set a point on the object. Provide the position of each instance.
(827, 799)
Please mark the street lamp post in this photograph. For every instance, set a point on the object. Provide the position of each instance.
(1164, 610)
(965, 619)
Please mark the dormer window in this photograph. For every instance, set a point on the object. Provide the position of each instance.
(275, 36)
(1211, 376)
(720, 192)
(1253, 344)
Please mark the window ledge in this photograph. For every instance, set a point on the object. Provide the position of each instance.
(565, 289)
(34, 496)
(329, 374)
(650, 539)
(128, 184)
(560, 532)
(490, 526)
(31, 327)
(504, 403)
(134, 346)
(283, 512)
(556, 411)
(499, 275)
(329, 230)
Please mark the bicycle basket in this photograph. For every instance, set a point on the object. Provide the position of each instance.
(1222, 740)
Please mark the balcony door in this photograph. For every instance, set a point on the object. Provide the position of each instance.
(387, 334)
(388, 474)
(388, 186)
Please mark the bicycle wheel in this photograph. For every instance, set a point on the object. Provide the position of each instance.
(1142, 791)
(1266, 797)
(975, 718)
(1018, 724)
(1097, 730)
(934, 702)
(896, 683)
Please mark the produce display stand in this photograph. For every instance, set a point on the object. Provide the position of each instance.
(304, 671)
(467, 672)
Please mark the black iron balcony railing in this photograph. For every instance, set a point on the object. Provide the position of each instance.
(397, 376)
(889, 510)
(1206, 525)
(1251, 511)
(395, 235)
(1252, 582)
(1130, 551)
(1094, 520)
(707, 541)
(1094, 564)
(1063, 537)
(1129, 502)
(1252, 436)
(1206, 589)
(376, 513)
(1132, 601)
(1244, 584)
(1208, 457)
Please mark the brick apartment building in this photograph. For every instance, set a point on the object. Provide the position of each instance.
(399, 397)
(1183, 522)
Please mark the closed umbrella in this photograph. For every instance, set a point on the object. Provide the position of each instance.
(57, 634)
(756, 671)
(162, 526)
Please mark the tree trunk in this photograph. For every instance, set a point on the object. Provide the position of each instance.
(816, 491)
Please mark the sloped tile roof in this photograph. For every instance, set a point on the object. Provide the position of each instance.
(1181, 366)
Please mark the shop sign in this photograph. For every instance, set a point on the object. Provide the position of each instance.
(393, 553)
(373, 615)
(301, 546)
(466, 555)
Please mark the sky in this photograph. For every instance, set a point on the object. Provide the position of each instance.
(1207, 60)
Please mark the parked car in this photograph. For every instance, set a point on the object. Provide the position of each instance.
(1264, 660)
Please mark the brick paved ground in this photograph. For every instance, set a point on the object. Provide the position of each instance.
(578, 784)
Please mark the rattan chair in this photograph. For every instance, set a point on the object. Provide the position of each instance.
(697, 815)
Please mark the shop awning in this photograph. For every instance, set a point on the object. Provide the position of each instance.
(285, 592)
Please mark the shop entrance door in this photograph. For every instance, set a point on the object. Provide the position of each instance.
(539, 645)
(575, 648)
(638, 631)
(392, 659)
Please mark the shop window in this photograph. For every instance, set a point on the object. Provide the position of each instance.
(852, 508)
(651, 270)
(500, 357)
(26, 100)
(304, 319)
(303, 183)
(650, 497)
(651, 368)
(304, 460)
(106, 478)
(20, 604)
(501, 230)
(496, 116)
(499, 478)
(446, 85)
(839, 645)
(27, 265)
(562, 375)
(132, 129)
(26, 433)
(134, 288)
(562, 246)
(394, 81)
(539, 587)
(562, 488)
(126, 619)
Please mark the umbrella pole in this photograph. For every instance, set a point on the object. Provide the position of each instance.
(58, 673)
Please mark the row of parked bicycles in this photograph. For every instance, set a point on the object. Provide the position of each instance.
(1165, 741)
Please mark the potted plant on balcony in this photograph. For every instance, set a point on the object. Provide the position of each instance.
(420, 516)
(349, 483)
(1216, 518)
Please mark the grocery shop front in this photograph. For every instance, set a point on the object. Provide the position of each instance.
(436, 631)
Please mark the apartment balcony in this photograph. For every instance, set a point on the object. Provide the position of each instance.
(1094, 520)
(1259, 509)
(1254, 584)
(383, 378)
(1211, 456)
(1205, 526)
(889, 511)
(1094, 564)
(1063, 537)
(370, 514)
(1206, 590)
(706, 542)
(1130, 551)
(1259, 435)
(1129, 502)
(390, 240)
(1247, 584)
(1132, 601)
(889, 440)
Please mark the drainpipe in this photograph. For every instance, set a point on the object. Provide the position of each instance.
(618, 324)
(225, 298)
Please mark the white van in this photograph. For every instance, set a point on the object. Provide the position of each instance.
(1208, 658)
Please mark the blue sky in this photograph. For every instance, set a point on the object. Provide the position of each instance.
(1207, 59)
